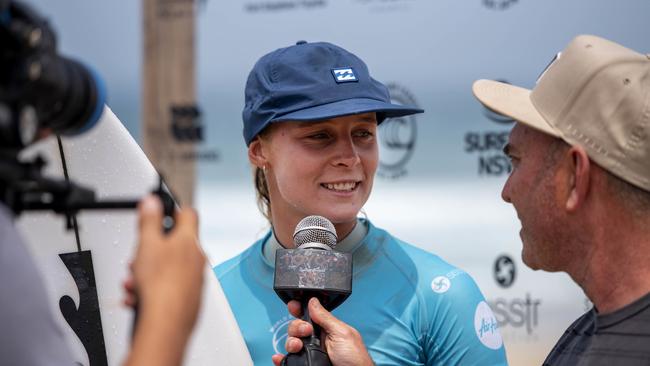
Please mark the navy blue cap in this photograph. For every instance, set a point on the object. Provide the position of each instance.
(311, 82)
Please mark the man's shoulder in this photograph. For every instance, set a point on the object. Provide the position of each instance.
(632, 319)
(616, 338)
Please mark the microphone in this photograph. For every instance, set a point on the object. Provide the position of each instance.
(313, 269)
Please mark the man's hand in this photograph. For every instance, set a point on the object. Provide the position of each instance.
(166, 283)
(343, 343)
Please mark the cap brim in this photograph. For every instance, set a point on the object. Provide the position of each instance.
(511, 101)
(348, 107)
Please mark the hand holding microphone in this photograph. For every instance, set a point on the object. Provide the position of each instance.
(312, 279)
(342, 342)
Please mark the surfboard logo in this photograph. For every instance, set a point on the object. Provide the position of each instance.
(85, 319)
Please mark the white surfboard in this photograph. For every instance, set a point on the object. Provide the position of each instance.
(84, 270)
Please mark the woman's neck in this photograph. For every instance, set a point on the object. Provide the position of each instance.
(284, 231)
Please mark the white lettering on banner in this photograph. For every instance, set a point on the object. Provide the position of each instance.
(517, 312)
(486, 326)
(440, 284)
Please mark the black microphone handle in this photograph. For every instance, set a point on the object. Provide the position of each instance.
(315, 335)
(313, 352)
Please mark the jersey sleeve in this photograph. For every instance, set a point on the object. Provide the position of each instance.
(458, 325)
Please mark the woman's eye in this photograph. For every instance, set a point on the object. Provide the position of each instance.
(318, 136)
(363, 133)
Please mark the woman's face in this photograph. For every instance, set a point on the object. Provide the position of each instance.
(319, 168)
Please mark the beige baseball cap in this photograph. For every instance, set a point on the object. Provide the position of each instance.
(596, 94)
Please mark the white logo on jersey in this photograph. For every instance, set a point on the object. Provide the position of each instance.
(440, 284)
(279, 330)
(344, 75)
(487, 329)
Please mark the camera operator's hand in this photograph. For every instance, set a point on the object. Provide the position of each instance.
(167, 279)
(343, 343)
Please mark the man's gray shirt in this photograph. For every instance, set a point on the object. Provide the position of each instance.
(29, 335)
(618, 338)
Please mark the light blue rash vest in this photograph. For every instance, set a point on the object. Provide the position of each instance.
(410, 306)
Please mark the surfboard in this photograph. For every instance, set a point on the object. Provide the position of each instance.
(84, 267)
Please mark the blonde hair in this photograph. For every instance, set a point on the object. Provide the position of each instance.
(261, 185)
(262, 193)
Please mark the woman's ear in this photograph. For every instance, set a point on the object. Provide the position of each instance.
(257, 153)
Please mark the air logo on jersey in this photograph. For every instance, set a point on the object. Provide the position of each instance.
(344, 75)
(440, 284)
(486, 326)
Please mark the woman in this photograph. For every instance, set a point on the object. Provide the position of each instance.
(310, 123)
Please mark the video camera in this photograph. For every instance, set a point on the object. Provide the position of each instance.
(40, 90)
(43, 93)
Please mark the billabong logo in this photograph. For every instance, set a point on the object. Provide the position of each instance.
(440, 284)
(344, 75)
(486, 326)
(504, 271)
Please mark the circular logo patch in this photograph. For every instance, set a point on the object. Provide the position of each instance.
(280, 336)
(487, 329)
(440, 284)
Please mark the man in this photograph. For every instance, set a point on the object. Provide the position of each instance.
(581, 188)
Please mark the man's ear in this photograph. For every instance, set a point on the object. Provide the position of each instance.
(579, 178)
(257, 153)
